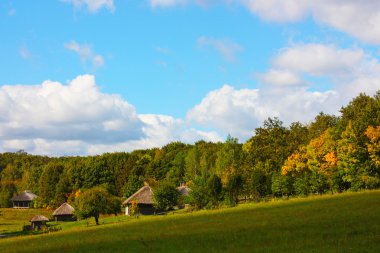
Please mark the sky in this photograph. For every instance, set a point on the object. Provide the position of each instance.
(85, 77)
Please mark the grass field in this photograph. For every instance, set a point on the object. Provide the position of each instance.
(347, 222)
(12, 220)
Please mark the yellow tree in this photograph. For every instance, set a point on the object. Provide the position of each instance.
(320, 153)
(317, 160)
(296, 162)
(373, 147)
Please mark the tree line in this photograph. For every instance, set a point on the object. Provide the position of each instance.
(330, 154)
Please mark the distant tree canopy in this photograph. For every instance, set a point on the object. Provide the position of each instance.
(329, 154)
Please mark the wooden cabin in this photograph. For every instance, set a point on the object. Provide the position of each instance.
(144, 199)
(23, 200)
(64, 213)
(38, 222)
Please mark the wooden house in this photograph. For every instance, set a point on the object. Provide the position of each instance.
(64, 213)
(144, 199)
(23, 200)
(38, 221)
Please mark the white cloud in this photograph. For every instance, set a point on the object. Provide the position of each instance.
(166, 3)
(239, 112)
(74, 112)
(279, 10)
(232, 111)
(85, 53)
(97, 61)
(159, 130)
(92, 6)
(78, 119)
(225, 47)
(360, 19)
(285, 94)
(281, 78)
(319, 59)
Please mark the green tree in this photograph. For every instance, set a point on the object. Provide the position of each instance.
(214, 185)
(7, 191)
(166, 196)
(233, 189)
(282, 185)
(348, 153)
(199, 194)
(361, 112)
(93, 202)
(268, 145)
(321, 123)
(48, 183)
(134, 183)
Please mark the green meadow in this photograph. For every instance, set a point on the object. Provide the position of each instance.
(12, 220)
(348, 222)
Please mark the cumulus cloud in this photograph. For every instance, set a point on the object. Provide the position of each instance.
(77, 111)
(158, 130)
(78, 119)
(360, 19)
(284, 92)
(319, 59)
(357, 18)
(281, 78)
(92, 6)
(85, 53)
(225, 47)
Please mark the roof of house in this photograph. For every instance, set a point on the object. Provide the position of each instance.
(143, 196)
(184, 190)
(39, 217)
(64, 209)
(24, 196)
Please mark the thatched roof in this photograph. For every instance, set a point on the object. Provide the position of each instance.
(184, 190)
(64, 209)
(143, 196)
(24, 196)
(39, 217)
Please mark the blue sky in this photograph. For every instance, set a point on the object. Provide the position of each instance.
(93, 76)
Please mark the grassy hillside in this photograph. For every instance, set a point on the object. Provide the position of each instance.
(340, 223)
(12, 220)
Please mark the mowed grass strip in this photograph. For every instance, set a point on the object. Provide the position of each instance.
(340, 223)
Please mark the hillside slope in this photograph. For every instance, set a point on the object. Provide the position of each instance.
(341, 223)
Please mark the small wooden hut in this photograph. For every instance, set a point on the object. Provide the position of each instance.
(64, 213)
(38, 221)
(144, 199)
(23, 200)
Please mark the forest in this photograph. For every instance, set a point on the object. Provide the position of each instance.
(328, 155)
